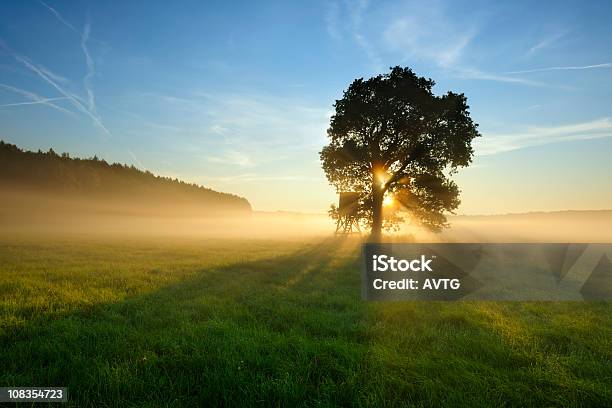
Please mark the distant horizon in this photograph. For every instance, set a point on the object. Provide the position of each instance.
(322, 213)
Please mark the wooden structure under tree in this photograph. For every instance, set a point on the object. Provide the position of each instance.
(348, 219)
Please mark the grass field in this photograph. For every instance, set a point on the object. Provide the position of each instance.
(264, 322)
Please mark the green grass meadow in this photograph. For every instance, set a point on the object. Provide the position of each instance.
(203, 322)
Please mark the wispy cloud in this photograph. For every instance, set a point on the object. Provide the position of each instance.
(427, 33)
(470, 73)
(246, 129)
(370, 52)
(410, 31)
(34, 99)
(88, 107)
(43, 101)
(91, 69)
(59, 17)
(138, 162)
(562, 68)
(356, 11)
(345, 20)
(546, 42)
(257, 177)
(232, 158)
(58, 82)
(53, 75)
(332, 15)
(218, 129)
(258, 120)
(491, 144)
(76, 101)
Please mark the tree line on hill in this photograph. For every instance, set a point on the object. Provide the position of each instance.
(96, 179)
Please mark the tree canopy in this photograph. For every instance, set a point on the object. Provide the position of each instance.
(391, 136)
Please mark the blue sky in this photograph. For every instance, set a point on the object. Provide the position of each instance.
(237, 96)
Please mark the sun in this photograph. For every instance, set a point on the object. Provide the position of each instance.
(387, 201)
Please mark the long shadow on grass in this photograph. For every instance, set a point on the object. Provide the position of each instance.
(292, 330)
(288, 330)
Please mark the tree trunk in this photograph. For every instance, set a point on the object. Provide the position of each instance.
(377, 216)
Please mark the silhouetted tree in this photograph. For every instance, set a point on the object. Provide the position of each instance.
(391, 135)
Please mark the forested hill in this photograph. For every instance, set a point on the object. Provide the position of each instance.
(96, 180)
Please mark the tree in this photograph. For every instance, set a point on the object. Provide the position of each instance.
(390, 135)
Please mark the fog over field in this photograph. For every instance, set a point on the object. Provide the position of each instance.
(31, 213)
(558, 226)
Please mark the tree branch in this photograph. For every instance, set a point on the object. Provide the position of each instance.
(417, 152)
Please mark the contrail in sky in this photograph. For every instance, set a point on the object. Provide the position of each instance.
(34, 99)
(567, 68)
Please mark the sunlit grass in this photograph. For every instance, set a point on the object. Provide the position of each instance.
(260, 322)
